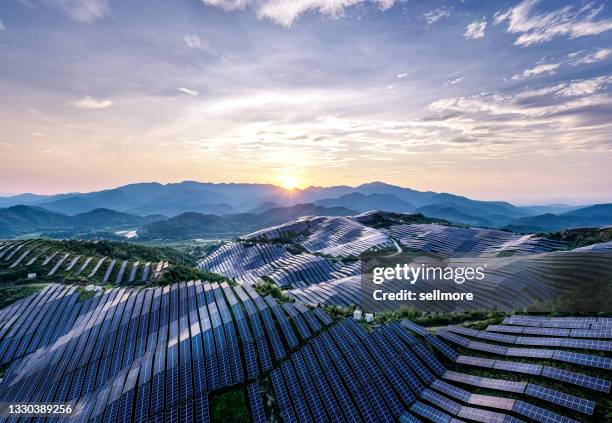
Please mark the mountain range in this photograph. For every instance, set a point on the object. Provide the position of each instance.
(234, 205)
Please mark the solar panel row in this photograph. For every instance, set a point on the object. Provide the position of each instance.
(151, 354)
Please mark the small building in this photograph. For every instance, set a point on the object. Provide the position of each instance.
(369, 317)
(357, 314)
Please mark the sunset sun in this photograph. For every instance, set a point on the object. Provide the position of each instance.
(288, 182)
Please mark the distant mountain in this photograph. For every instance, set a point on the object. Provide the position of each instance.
(264, 206)
(106, 218)
(362, 202)
(451, 214)
(551, 208)
(197, 225)
(20, 220)
(418, 198)
(587, 217)
(174, 199)
(25, 219)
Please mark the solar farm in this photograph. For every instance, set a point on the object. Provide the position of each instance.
(317, 259)
(47, 260)
(230, 350)
(162, 354)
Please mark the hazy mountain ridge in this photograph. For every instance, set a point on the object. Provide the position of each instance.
(594, 216)
(21, 220)
(227, 199)
(197, 225)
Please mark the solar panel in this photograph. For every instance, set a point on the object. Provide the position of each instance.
(408, 418)
(451, 390)
(492, 401)
(459, 340)
(579, 379)
(480, 415)
(587, 344)
(583, 359)
(255, 403)
(503, 328)
(280, 392)
(430, 413)
(297, 399)
(529, 352)
(314, 403)
(512, 366)
(570, 401)
(333, 408)
(485, 382)
(442, 347)
(417, 367)
(539, 414)
(491, 348)
(476, 361)
(430, 359)
(414, 327)
(441, 401)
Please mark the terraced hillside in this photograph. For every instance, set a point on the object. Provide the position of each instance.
(178, 353)
(73, 261)
(317, 259)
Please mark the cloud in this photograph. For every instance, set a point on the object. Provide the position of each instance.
(402, 75)
(596, 56)
(187, 91)
(586, 87)
(569, 21)
(475, 29)
(537, 70)
(2, 27)
(435, 15)
(89, 102)
(192, 41)
(454, 81)
(286, 12)
(84, 11)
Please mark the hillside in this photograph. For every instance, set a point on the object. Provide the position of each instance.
(197, 225)
(577, 238)
(21, 220)
(25, 219)
(586, 217)
(362, 202)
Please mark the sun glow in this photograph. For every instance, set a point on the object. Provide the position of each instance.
(288, 182)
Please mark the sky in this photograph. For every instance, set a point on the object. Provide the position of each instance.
(505, 100)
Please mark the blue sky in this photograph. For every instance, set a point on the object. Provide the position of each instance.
(495, 100)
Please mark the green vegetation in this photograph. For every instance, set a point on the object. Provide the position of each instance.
(339, 312)
(438, 319)
(10, 294)
(582, 237)
(84, 295)
(476, 318)
(14, 282)
(264, 288)
(178, 272)
(126, 251)
(229, 406)
(590, 297)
